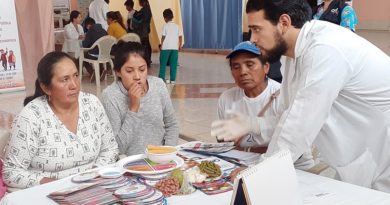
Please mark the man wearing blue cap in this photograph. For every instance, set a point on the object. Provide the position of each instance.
(255, 95)
(252, 93)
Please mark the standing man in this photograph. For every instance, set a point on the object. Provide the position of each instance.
(98, 11)
(335, 89)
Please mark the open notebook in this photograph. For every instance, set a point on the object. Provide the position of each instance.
(271, 182)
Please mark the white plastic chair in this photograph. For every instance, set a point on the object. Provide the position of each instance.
(104, 44)
(131, 37)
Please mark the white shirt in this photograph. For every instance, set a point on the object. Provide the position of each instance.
(98, 11)
(171, 32)
(72, 43)
(130, 17)
(337, 94)
(41, 146)
(235, 99)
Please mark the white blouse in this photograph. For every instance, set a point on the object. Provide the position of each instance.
(41, 146)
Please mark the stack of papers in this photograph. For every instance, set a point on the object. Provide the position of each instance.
(224, 151)
(208, 147)
(240, 157)
(87, 193)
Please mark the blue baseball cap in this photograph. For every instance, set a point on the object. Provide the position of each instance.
(244, 46)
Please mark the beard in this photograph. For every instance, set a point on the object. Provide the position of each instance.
(273, 55)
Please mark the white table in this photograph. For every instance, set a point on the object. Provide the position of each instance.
(316, 190)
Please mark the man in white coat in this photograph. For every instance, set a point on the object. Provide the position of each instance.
(98, 11)
(335, 89)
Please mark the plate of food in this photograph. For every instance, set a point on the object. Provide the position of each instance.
(140, 164)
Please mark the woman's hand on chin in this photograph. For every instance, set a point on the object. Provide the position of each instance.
(135, 92)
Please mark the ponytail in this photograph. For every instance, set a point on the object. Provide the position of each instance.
(38, 93)
(119, 19)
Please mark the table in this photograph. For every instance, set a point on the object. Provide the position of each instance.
(315, 190)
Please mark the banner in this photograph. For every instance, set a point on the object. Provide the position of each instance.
(11, 69)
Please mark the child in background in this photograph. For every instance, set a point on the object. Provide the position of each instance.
(171, 42)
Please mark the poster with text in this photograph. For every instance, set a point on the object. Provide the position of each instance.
(61, 5)
(11, 69)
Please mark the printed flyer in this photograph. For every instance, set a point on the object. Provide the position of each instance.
(11, 69)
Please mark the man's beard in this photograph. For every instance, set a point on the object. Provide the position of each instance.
(273, 55)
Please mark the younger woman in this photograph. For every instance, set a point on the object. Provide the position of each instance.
(138, 106)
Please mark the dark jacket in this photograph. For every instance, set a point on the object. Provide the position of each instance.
(92, 35)
(141, 22)
(333, 13)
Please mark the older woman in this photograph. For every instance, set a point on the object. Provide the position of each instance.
(60, 131)
(138, 106)
(73, 34)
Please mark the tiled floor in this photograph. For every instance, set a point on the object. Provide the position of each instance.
(200, 80)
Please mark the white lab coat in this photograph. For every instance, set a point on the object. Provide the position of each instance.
(72, 43)
(337, 94)
(98, 11)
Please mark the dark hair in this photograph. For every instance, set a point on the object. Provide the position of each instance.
(143, 3)
(260, 57)
(89, 21)
(107, 1)
(168, 14)
(73, 15)
(298, 10)
(45, 73)
(116, 15)
(129, 3)
(124, 50)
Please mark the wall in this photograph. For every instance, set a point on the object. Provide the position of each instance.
(36, 36)
(373, 15)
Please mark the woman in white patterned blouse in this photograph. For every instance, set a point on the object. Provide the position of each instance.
(60, 131)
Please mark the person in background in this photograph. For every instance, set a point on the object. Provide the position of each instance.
(171, 41)
(116, 28)
(138, 105)
(60, 131)
(73, 34)
(94, 32)
(130, 8)
(338, 12)
(98, 10)
(335, 92)
(141, 25)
